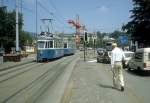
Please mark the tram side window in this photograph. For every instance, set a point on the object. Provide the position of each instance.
(51, 44)
(65, 45)
(46, 45)
(59, 44)
(55, 44)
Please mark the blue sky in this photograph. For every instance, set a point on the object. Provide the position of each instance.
(96, 15)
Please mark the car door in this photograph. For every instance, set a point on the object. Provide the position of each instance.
(131, 62)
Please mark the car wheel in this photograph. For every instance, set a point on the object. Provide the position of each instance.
(97, 61)
(138, 69)
(129, 68)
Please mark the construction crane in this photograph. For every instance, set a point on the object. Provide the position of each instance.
(77, 26)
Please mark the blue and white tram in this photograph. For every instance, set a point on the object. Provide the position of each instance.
(69, 48)
(49, 48)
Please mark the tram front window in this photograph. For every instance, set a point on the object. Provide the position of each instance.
(41, 44)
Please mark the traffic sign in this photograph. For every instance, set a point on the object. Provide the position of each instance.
(123, 39)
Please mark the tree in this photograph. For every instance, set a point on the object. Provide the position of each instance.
(139, 26)
(25, 38)
(8, 30)
(8, 27)
(3, 23)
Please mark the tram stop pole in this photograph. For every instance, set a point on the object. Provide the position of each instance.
(85, 40)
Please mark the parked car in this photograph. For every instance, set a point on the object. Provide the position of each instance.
(100, 50)
(100, 53)
(104, 57)
(128, 56)
(107, 57)
(140, 60)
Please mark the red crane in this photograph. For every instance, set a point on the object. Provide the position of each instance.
(77, 26)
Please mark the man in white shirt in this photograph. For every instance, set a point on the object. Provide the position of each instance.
(117, 56)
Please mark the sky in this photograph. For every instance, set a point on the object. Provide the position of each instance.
(96, 15)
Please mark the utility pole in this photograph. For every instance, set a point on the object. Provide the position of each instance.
(85, 41)
(36, 20)
(17, 31)
(36, 31)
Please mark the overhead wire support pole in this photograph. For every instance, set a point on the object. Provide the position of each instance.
(17, 26)
(85, 40)
(36, 30)
(36, 20)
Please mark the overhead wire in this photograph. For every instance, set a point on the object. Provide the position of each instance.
(43, 7)
(60, 20)
(58, 11)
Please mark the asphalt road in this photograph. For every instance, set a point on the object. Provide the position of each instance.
(71, 80)
(92, 83)
(31, 82)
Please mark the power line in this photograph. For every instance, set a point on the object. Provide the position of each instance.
(60, 14)
(54, 6)
(52, 14)
(27, 9)
(43, 7)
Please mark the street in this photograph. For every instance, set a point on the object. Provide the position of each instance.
(93, 84)
(71, 80)
(27, 83)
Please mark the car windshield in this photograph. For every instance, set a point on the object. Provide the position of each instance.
(100, 49)
(41, 44)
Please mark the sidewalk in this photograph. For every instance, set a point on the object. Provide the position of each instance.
(7, 65)
(92, 83)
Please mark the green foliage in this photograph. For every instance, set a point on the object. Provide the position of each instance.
(139, 26)
(8, 29)
(25, 38)
(3, 23)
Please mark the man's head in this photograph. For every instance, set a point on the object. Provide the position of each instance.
(114, 45)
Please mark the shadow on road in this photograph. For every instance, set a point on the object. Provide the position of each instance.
(108, 86)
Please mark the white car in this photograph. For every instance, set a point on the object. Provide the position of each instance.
(140, 60)
(128, 56)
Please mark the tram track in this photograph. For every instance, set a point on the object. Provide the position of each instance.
(14, 66)
(61, 68)
(17, 71)
(13, 69)
(39, 85)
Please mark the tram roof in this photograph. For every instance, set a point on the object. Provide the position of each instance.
(48, 38)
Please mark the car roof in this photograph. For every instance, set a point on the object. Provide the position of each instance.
(101, 49)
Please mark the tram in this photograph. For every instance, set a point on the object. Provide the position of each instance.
(69, 48)
(49, 47)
